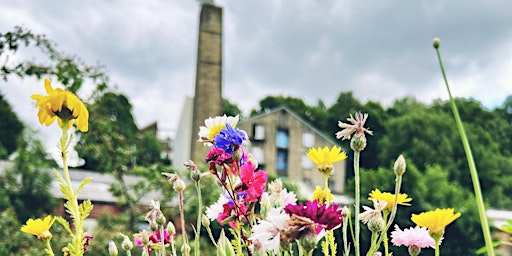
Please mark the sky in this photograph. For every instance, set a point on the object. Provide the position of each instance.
(380, 50)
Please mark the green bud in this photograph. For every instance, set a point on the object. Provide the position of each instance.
(376, 224)
(399, 167)
(179, 185)
(112, 248)
(171, 228)
(153, 226)
(185, 249)
(195, 175)
(160, 219)
(205, 221)
(436, 42)
(127, 243)
(414, 250)
(308, 242)
(358, 142)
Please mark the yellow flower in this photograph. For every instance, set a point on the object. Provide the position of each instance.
(325, 157)
(435, 221)
(322, 195)
(389, 198)
(39, 227)
(62, 104)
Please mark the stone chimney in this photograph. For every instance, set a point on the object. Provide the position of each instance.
(208, 89)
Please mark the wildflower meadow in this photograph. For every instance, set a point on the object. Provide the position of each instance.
(256, 216)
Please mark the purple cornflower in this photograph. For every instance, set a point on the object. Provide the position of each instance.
(230, 139)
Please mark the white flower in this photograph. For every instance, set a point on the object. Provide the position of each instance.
(267, 233)
(213, 126)
(370, 213)
(215, 209)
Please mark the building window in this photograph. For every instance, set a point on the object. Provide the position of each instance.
(282, 138)
(306, 162)
(258, 132)
(308, 140)
(282, 163)
(257, 153)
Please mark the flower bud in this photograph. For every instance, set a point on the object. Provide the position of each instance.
(308, 242)
(399, 167)
(171, 229)
(414, 250)
(153, 226)
(436, 42)
(376, 224)
(112, 248)
(358, 142)
(179, 185)
(160, 219)
(195, 175)
(205, 221)
(145, 237)
(127, 243)
(185, 249)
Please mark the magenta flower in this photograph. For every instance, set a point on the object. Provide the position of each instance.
(217, 156)
(416, 236)
(326, 217)
(253, 183)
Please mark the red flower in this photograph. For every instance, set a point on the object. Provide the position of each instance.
(327, 217)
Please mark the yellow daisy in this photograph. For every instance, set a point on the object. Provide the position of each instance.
(389, 198)
(322, 195)
(39, 227)
(62, 104)
(325, 157)
(213, 126)
(435, 221)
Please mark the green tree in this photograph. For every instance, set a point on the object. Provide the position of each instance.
(27, 184)
(11, 129)
(69, 70)
(149, 149)
(231, 109)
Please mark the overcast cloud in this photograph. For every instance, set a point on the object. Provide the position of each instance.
(380, 50)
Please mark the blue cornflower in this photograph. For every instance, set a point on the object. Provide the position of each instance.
(230, 139)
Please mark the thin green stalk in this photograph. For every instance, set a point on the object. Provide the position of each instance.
(437, 247)
(199, 215)
(162, 238)
(358, 199)
(471, 162)
(49, 249)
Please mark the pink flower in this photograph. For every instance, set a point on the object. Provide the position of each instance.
(253, 183)
(416, 236)
(356, 126)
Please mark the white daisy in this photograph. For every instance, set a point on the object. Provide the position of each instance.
(213, 126)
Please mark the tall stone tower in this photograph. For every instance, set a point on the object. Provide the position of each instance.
(208, 91)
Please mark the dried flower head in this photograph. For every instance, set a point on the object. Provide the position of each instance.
(376, 212)
(356, 126)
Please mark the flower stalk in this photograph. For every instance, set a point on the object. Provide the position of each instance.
(469, 156)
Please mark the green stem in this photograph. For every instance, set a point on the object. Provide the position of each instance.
(437, 247)
(162, 237)
(199, 214)
(78, 236)
(358, 199)
(182, 217)
(49, 249)
(471, 164)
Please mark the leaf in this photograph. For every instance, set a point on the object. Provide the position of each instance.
(82, 185)
(64, 223)
(224, 247)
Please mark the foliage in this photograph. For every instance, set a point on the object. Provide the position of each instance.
(71, 71)
(11, 129)
(149, 149)
(26, 184)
